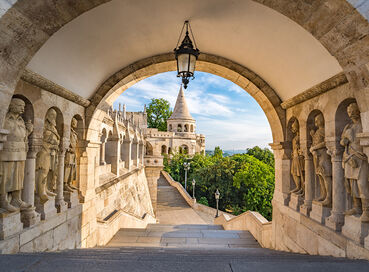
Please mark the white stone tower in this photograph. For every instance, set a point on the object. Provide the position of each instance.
(181, 120)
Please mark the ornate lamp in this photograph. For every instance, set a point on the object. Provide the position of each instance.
(193, 188)
(217, 195)
(186, 166)
(186, 56)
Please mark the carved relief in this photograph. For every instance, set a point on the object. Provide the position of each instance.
(70, 163)
(13, 157)
(297, 161)
(47, 159)
(322, 162)
(355, 164)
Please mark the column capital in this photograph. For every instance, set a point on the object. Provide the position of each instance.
(335, 150)
(364, 139)
(280, 145)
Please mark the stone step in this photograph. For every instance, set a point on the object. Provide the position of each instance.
(183, 236)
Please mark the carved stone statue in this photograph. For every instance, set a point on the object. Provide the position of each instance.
(297, 163)
(322, 162)
(13, 157)
(355, 164)
(70, 162)
(47, 159)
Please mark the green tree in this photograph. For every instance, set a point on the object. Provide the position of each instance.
(158, 112)
(244, 181)
(264, 155)
(255, 183)
(218, 153)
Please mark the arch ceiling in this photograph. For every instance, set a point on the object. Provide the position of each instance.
(86, 51)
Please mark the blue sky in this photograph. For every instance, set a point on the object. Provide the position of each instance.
(227, 115)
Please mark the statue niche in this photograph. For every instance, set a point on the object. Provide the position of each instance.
(297, 161)
(13, 157)
(322, 162)
(47, 159)
(355, 164)
(70, 163)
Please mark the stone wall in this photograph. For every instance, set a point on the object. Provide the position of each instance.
(319, 217)
(63, 231)
(153, 168)
(129, 193)
(298, 233)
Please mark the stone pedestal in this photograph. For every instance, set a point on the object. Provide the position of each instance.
(10, 224)
(319, 213)
(30, 217)
(62, 206)
(355, 229)
(335, 221)
(305, 210)
(71, 198)
(47, 209)
(295, 202)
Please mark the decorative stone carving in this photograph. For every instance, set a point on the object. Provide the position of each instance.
(70, 171)
(13, 157)
(297, 161)
(322, 162)
(355, 164)
(47, 159)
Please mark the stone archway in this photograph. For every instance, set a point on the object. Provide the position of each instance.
(26, 26)
(266, 97)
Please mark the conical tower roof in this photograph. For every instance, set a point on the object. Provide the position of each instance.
(181, 111)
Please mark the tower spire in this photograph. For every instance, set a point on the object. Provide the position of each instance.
(181, 111)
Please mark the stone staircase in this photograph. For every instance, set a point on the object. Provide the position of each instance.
(183, 236)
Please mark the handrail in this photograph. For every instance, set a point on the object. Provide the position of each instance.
(251, 221)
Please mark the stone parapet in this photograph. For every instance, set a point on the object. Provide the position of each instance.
(62, 231)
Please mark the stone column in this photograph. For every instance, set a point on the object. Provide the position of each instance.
(135, 153)
(102, 153)
(30, 217)
(115, 156)
(142, 153)
(127, 145)
(309, 184)
(336, 219)
(60, 204)
(282, 172)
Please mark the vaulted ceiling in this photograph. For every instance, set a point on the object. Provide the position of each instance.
(86, 51)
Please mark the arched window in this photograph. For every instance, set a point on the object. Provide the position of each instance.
(185, 128)
(169, 150)
(179, 128)
(163, 149)
(170, 127)
(184, 149)
(149, 149)
(191, 128)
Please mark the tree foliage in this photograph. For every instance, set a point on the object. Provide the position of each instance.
(264, 155)
(158, 112)
(244, 181)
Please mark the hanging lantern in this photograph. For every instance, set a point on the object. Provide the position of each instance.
(186, 55)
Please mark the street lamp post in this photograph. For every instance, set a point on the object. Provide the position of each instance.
(193, 188)
(217, 195)
(186, 166)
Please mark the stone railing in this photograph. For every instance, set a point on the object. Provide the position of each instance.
(191, 201)
(253, 222)
(108, 227)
